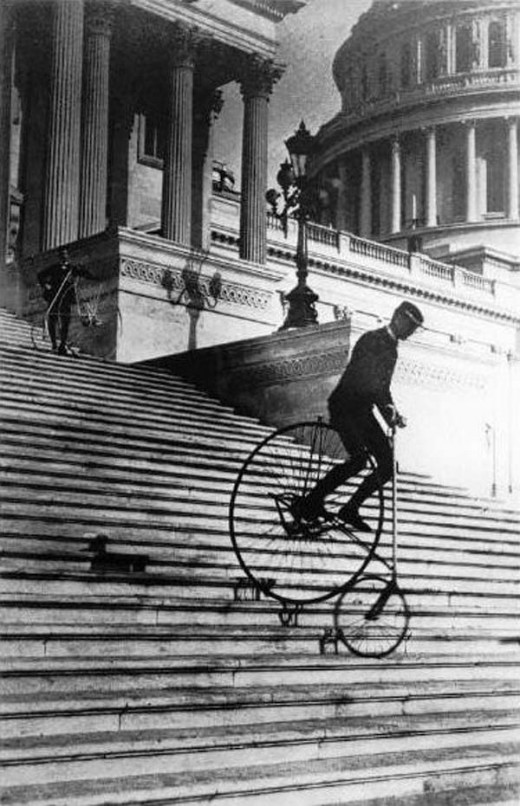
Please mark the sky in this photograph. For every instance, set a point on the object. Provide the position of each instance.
(308, 42)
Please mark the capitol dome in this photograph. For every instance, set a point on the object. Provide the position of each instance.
(426, 143)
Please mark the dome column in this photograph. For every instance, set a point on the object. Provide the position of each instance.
(512, 195)
(365, 224)
(61, 195)
(471, 171)
(396, 185)
(431, 177)
(256, 86)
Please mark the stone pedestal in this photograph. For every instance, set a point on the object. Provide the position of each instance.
(94, 156)
(61, 197)
(257, 86)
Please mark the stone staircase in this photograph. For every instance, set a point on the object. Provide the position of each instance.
(145, 682)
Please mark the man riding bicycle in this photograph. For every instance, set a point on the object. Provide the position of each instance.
(364, 384)
(59, 292)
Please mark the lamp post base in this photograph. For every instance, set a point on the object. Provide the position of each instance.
(302, 311)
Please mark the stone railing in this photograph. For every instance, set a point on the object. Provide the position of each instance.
(460, 83)
(372, 249)
(323, 235)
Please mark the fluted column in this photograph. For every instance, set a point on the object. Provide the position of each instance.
(513, 189)
(177, 174)
(365, 222)
(256, 85)
(61, 196)
(6, 52)
(396, 185)
(207, 109)
(94, 152)
(431, 177)
(471, 171)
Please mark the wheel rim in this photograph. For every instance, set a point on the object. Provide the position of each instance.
(371, 618)
(289, 558)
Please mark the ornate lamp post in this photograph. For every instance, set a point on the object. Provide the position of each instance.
(297, 202)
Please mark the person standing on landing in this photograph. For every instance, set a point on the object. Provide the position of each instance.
(364, 384)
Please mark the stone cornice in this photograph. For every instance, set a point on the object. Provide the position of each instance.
(229, 32)
(273, 9)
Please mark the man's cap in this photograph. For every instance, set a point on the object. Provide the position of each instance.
(411, 311)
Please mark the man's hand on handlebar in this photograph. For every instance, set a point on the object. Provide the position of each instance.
(394, 419)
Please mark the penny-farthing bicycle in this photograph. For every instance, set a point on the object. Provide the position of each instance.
(299, 561)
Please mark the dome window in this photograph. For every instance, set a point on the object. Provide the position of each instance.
(463, 49)
(406, 65)
(496, 44)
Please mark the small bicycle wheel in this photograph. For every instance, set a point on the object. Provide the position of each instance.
(292, 558)
(372, 616)
(96, 323)
(40, 336)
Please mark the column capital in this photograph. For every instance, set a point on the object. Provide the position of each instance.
(99, 17)
(185, 42)
(395, 142)
(259, 76)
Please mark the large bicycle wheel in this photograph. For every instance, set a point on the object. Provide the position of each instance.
(372, 616)
(289, 557)
(96, 323)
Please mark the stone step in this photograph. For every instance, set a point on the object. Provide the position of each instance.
(17, 471)
(64, 710)
(18, 456)
(307, 782)
(185, 750)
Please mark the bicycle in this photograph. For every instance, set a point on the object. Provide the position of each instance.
(95, 320)
(300, 561)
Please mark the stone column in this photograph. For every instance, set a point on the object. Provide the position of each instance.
(396, 185)
(207, 109)
(365, 222)
(94, 151)
(471, 171)
(256, 85)
(6, 54)
(341, 209)
(431, 177)
(61, 196)
(177, 173)
(513, 189)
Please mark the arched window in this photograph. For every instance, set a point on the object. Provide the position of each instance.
(496, 44)
(406, 65)
(463, 49)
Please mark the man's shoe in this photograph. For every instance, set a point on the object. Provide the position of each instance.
(62, 349)
(310, 509)
(351, 516)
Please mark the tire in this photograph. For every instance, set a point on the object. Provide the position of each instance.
(287, 557)
(372, 616)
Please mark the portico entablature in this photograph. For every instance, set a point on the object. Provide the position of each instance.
(224, 21)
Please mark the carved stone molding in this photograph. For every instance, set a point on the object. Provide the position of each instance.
(288, 369)
(232, 293)
(259, 76)
(435, 376)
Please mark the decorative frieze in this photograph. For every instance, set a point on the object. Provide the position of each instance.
(232, 293)
(290, 369)
(437, 376)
